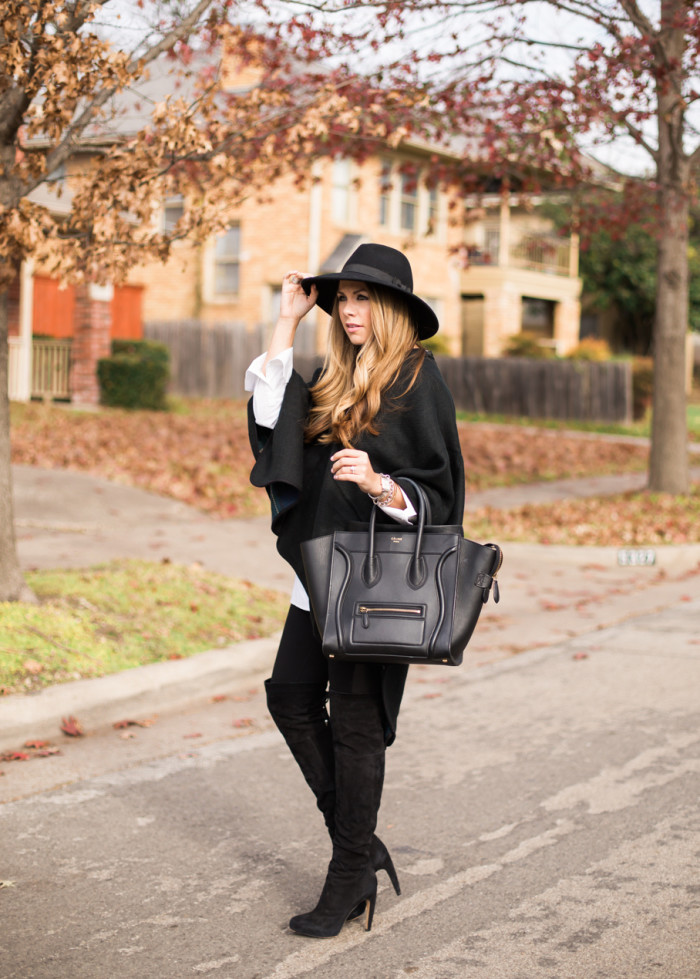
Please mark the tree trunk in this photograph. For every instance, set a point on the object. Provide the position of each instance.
(12, 586)
(668, 463)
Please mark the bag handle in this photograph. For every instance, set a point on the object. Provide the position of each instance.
(417, 570)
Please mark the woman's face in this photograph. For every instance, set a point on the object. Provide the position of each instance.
(355, 311)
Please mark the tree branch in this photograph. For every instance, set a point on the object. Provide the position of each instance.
(135, 67)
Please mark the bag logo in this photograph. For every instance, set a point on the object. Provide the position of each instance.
(396, 540)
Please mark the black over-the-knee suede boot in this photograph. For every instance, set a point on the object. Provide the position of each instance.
(299, 711)
(358, 742)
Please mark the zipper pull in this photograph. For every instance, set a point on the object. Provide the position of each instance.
(496, 592)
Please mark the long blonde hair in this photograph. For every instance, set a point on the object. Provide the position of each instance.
(348, 394)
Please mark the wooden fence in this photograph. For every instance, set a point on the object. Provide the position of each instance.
(210, 361)
(532, 388)
(207, 360)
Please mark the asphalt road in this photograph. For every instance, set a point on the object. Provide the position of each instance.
(542, 812)
(540, 802)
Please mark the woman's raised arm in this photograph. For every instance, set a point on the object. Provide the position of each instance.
(294, 305)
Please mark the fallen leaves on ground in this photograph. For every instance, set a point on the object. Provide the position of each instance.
(72, 727)
(203, 458)
(626, 520)
(34, 749)
(504, 455)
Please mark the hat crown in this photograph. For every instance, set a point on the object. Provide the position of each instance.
(384, 262)
(378, 265)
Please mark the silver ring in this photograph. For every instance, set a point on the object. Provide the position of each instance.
(352, 470)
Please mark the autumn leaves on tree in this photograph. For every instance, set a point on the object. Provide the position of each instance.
(260, 88)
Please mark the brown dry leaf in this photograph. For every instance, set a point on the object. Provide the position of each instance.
(243, 722)
(36, 744)
(32, 666)
(130, 723)
(72, 727)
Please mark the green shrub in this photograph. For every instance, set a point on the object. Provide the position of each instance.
(437, 344)
(135, 376)
(526, 345)
(642, 385)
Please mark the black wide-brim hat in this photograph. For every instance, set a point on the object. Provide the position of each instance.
(377, 265)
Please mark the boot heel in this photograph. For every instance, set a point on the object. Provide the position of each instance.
(371, 901)
(388, 865)
(381, 860)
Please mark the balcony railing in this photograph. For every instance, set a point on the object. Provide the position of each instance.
(538, 253)
(50, 369)
(543, 254)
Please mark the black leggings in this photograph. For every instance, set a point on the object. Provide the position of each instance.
(300, 659)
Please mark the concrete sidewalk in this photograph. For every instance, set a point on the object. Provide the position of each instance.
(548, 594)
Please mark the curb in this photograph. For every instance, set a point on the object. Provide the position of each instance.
(158, 687)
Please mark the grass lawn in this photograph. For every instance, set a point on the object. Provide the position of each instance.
(637, 428)
(112, 617)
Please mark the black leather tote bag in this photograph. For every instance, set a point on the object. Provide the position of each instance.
(399, 593)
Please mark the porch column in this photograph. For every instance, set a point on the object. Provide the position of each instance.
(504, 231)
(574, 255)
(93, 323)
(23, 379)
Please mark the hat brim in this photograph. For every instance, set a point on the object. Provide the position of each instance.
(423, 315)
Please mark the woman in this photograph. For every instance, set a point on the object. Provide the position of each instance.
(327, 453)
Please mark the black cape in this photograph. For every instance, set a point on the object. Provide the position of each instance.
(417, 437)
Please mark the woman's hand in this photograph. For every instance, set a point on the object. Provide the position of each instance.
(294, 303)
(354, 466)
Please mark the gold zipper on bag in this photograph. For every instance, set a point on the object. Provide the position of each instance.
(388, 608)
(366, 610)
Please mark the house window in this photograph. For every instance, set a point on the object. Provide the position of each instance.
(173, 209)
(342, 176)
(433, 210)
(385, 194)
(227, 261)
(409, 202)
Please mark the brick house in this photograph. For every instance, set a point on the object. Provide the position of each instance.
(497, 273)
(502, 273)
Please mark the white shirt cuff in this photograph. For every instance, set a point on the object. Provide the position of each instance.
(268, 388)
(401, 516)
